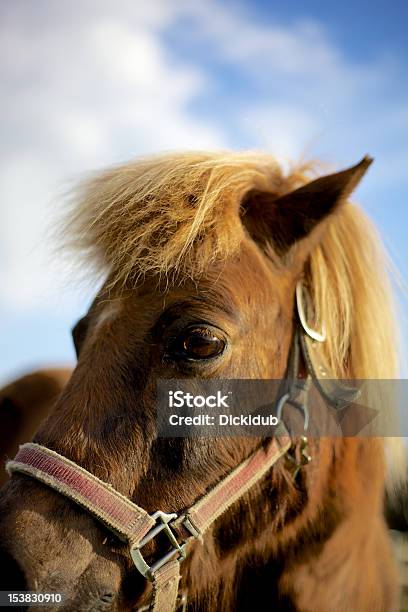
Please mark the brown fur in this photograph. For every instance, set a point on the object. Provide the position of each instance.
(176, 238)
(24, 403)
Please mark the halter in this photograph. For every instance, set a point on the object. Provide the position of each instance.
(136, 527)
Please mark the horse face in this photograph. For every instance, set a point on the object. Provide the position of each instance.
(235, 321)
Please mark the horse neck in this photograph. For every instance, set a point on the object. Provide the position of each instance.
(245, 560)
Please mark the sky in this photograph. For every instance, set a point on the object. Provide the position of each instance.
(86, 84)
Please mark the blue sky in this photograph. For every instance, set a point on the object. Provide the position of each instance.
(87, 84)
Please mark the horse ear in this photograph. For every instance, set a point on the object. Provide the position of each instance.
(287, 220)
(79, 332)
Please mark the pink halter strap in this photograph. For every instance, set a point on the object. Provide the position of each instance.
(134, 525)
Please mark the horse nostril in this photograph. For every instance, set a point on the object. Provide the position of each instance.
(12, 577)
(106, 601)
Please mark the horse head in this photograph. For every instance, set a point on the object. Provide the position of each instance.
(202, 255)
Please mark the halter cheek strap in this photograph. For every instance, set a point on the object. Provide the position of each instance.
(134, 525)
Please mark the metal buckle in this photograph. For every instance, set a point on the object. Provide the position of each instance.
(302, 460)
(312, 333)
(137, 557)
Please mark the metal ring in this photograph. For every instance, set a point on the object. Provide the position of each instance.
(280, 405)
(286, 399)
(313, 333)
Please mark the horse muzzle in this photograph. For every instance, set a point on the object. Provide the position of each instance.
(50, 547)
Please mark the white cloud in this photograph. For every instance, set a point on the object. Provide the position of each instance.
(283, 129)
(79, 96)
(309, 96)
(89, 83)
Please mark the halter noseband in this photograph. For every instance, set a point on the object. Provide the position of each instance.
(136, 527)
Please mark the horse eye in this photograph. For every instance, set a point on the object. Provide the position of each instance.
(199, 343)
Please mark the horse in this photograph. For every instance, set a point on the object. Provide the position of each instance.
(24, 404)
(201, 255)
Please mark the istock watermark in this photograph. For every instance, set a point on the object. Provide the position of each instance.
(231, 407)
(223, 420)
(179, 399)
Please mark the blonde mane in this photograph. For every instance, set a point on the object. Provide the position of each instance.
(179, 213)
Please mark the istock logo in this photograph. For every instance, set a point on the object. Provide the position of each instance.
(179, 399)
